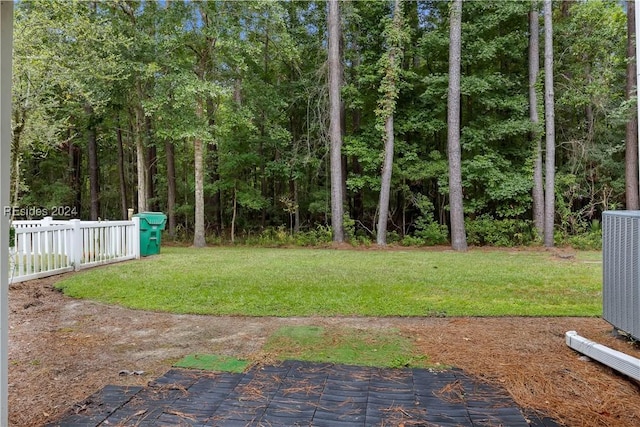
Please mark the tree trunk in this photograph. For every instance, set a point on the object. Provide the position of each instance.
(199, 234)
(214, 201)
(534, 68)
(335, 134)
(122, 176)
(390, 90)
(458, 234)
(549, 114)
(631, 138)
(151, 176)
(75, 174)
(385, 185)
(141, 160)
(171, 188)
(233, 215)
(15, 159)
(94, 172)
(15, 177)
(296, 202)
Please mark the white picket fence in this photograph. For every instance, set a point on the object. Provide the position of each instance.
(48, 247)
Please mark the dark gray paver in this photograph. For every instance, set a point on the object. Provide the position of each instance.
(304, 394)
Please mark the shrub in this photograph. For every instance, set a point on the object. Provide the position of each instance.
(428, 231)
(486, 230)
(589, 239)
(433, 234)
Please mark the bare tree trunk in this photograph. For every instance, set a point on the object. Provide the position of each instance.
(391, 92)
(141, 160)
(549, 114)
(171, 187)
(152, 159)
(15, 177)
(199, 235)
(631, 138)
(534, 68)
(122, 176)
(15, 158)
(233, 215)
(335, 134)
(94, 172)
(75, 173)
(458, 234)
(296, 202)
(385, 185)
(213, 202)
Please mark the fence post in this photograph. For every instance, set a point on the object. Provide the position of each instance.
(76, 244)
(48, 240)
(135, 237)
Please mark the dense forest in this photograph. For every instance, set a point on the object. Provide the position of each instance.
(246, 119)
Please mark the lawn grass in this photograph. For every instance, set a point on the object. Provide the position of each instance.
(349, 346)
(326, 282)
(212, 362)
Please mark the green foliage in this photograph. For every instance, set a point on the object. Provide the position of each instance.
(281, 236)
(428, 231)
(249, 80)
(591, 240)
(486, 230)
(588, 238)
(588, 112)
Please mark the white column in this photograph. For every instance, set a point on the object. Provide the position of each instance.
(6, 46)
(637, 13)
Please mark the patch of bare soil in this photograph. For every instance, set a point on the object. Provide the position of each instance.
(62, 350)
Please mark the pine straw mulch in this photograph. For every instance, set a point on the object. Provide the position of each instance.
(529, 358)
(63, 350)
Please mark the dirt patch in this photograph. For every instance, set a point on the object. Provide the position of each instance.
(62, 350)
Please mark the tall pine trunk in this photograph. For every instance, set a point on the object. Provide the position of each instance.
(389, 87)
(335, 132)
(152, 171)
(534, 68)
(214, 201)
(122, 176)
(75, 173)
(199, 234)
(550, 134)
(171, 188)
(141, 159)
(92, 158)
(458, 234)
(631, 137)
(385, 184)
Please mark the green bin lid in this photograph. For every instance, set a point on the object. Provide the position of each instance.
(152, 218)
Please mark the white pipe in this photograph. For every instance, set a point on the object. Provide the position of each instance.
(6, 48)
(621, 362)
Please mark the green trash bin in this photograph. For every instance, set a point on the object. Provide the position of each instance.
(151, 226)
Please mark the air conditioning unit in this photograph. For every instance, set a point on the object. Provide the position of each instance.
(621, 270)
